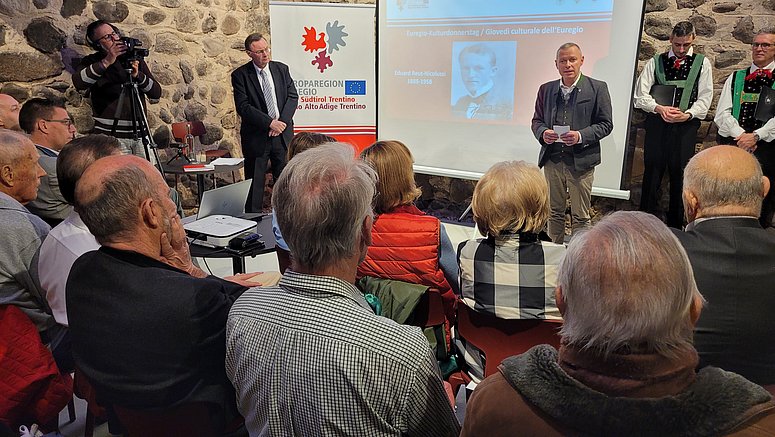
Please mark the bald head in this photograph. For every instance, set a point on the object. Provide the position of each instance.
(9, 112)
(723, 181)
(110, 192)
(20, 172)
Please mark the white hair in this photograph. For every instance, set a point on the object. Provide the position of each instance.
(628, 286)
(320, 201)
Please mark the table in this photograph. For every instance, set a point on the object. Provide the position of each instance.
(238, 256)
(176, 168)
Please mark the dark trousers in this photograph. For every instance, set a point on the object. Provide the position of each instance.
(667, 146)
(255, 169)
(765, 153)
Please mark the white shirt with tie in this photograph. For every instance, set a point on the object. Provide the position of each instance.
(269, 79)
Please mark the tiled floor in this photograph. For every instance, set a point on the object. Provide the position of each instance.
(222, 267)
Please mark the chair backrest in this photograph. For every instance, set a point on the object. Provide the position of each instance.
(180, 129)
(502, 338)
(186, 419)
(429, 310)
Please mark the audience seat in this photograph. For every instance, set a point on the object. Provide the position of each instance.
(499, 339)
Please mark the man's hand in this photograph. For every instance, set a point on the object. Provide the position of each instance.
(550, 136)
(671, 114)
(276, 128)
(746, 142)
(117, 49)
(174, 250)
(135, 68)
(244, 279)
(571, 137)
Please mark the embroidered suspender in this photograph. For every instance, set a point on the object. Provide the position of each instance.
(694, 72)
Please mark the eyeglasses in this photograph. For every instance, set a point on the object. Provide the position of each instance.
(260, 52)
(112, 35)
(764, 45)
(67, 121)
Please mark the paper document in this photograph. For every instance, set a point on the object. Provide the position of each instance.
(559, 130)
(227, 161)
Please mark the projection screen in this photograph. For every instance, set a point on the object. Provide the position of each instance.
(423, 97)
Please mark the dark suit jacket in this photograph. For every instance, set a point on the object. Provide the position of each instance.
(251, 106)
(148, 335)
(734, 265)
(592, 117)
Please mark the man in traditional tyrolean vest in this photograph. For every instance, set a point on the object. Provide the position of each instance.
(673, 118)
(739, 122)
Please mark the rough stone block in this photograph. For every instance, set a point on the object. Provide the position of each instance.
(42, 34)
(28, 67)
(111, 11)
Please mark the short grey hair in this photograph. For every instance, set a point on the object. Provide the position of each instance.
(766, 31)
(253, 37)
(628, 286)
(320, 201)
(111, 212)
(11, 150)
(566, 46)
(717, 189)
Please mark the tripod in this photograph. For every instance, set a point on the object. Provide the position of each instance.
(140, 130)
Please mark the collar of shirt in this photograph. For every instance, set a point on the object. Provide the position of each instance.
(50, 150)
(265, 70)
(321, 286)
(691, 225)
(671, 53)
(483, 90)
(770, 66)
(568, 89)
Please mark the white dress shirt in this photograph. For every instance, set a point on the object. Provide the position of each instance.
(268, 73)
(646, 80)
(64, 244)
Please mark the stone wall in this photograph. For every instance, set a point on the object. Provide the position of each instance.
(195, 44)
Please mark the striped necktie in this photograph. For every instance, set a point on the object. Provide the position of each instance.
(267, 89)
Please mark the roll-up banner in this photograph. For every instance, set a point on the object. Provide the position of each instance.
(330, 50)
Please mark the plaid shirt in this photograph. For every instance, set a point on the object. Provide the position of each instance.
(511, 277)
(309, 358)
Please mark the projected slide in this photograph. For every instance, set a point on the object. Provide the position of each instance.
(458, 78)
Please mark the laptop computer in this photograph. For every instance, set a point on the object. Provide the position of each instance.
(227, 200)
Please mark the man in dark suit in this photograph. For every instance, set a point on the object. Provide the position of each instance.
(266, 100)
(50, 128)
(572, 114)
(733, 259)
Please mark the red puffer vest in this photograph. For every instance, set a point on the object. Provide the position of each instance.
(32, 388)
(405, 247)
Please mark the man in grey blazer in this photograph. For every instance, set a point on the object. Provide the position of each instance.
(733, 259)
(50, 128)
(572, 114)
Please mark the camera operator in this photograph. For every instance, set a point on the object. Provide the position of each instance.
(102, 75)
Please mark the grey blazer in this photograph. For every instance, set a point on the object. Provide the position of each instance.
(593, 118)
(49, 205)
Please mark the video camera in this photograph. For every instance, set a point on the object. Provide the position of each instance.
(134, 51)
